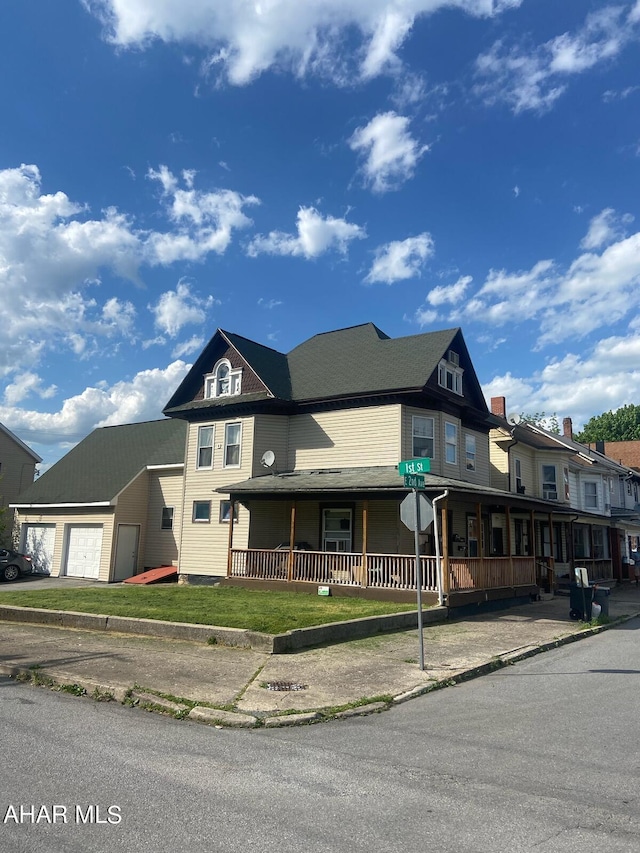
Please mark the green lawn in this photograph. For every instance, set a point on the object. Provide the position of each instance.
(230, 607)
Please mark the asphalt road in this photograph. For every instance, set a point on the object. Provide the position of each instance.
(540, 756)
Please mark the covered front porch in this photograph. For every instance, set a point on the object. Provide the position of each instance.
(355, 543)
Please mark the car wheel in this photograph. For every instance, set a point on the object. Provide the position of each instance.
(10, 573)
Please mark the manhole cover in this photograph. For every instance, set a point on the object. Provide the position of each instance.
(285, 685)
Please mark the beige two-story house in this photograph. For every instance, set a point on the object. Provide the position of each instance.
(291, 472)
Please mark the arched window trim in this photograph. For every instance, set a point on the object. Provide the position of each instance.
(213, 385)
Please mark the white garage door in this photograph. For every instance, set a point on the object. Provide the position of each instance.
(38, 541)
(84, 548)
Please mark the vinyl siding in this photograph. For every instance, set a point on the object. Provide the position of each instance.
(351, 438)
(271, 432)
(132, 509)
(203, 549)
(70, 518)
(16, 469)
(161, 546)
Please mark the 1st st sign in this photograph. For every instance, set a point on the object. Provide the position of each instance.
(415, 466)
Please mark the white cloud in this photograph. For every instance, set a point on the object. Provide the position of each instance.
(178, 308)
(25, 384)
(316, 235)
(578, 386)
(534, 79)
(53, 254)
(452, 293)
(389, 151)
(400, 259)
(425, 317)
(342, 40)
(204, 220)
(193, 345)
(595, 290)
(139, 399)
(605, 228)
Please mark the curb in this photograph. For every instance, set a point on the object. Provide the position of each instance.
(62, 682)
(276, 644)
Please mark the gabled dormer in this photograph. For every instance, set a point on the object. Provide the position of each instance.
(231, 370)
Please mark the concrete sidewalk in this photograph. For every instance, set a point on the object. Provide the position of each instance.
(247, 687)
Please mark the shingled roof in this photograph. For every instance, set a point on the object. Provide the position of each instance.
(106, 461)
(352, 362)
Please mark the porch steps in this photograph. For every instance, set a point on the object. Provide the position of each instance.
(163, 574)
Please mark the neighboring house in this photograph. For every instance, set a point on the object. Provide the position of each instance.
(111, 507)
(591, 517)
(17, 470)
(625, 452)
(300, 450)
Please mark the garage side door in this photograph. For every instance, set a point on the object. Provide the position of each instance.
(84, 549)
(38, 540)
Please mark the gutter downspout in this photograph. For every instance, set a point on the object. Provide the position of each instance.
(438, 557)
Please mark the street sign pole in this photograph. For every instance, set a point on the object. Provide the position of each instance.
(419, 577)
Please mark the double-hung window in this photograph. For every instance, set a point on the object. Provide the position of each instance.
(518, 472)
(450, 443)
(205, 447)
(232, 434)
(590, 495)
(470, 452)
(422, 441)
(167, 518)
(549, 483)
(450, 376)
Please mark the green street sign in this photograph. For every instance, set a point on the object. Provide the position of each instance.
(414, 481)
(415, 466)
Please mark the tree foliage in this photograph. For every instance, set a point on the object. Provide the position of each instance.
(621, 425)
(542, 420)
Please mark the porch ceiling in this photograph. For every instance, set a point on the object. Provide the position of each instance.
(376, 479)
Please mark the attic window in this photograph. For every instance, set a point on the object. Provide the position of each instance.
(450, 375)
(224, 381)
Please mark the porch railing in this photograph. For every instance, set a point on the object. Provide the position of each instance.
(383, 571)
(491, 572)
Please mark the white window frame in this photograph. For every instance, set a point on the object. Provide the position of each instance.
(470, 452)
(593, 495)
(213, 386)
(546, 482)
(423, 438)
(449, 444)
(228, 445)
(450, 376)
(517, 465)
(338, 541)
(202, 446)
(206, 520)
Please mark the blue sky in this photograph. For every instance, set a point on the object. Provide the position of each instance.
(279, 168)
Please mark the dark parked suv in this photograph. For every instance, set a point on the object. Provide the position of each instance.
(14, 564)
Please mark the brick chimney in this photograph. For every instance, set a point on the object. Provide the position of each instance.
(567, 428)
(499, 406)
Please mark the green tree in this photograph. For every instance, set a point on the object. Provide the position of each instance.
(542, 420)
(621, 425)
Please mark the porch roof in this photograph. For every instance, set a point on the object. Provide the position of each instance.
(380, 479)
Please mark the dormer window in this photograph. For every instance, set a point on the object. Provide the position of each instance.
(450, 373)
(224, 381)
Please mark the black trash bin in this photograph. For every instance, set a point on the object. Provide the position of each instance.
(579, 604)
(601, 596)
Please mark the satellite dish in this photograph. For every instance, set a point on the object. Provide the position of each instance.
(268, 458)
(513, 418)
